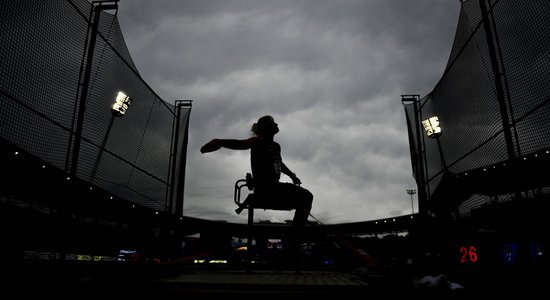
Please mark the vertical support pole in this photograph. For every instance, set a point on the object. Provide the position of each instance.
(499, 88)
(498, 81)
(179, 158)
(84, 92)
(86, 84)
(249, 252)
(420, 175)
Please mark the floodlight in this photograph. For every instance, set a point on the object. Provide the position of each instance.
(431, 125)
(122, 102)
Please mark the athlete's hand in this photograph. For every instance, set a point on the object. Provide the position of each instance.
(295, 179)
(211, 146)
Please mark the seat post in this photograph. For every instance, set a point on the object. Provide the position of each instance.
(250, 236)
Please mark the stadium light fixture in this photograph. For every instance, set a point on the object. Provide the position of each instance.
(122, 103)
(432, 127)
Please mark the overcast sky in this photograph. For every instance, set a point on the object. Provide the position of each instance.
(331, 73)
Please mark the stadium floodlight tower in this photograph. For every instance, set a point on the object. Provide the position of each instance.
(119, 108)
(433, 130)
(411, 192)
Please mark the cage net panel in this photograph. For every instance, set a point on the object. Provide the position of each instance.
(43, 53)
(491, 127)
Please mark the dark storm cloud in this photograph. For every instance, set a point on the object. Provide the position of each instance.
(330, 72)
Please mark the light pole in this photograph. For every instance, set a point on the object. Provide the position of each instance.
(121, 104)
(433, 129)
(411, 192)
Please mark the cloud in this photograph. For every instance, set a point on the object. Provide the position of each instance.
(330, 72)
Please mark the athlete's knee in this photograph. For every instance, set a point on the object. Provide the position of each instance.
(308, 196)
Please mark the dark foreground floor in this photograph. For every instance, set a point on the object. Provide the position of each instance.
(58, 279)
(102, 280)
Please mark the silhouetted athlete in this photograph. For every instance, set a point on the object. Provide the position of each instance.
(267, 166)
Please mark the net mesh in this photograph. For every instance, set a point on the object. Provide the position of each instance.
(44, 50)
(493, 106)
